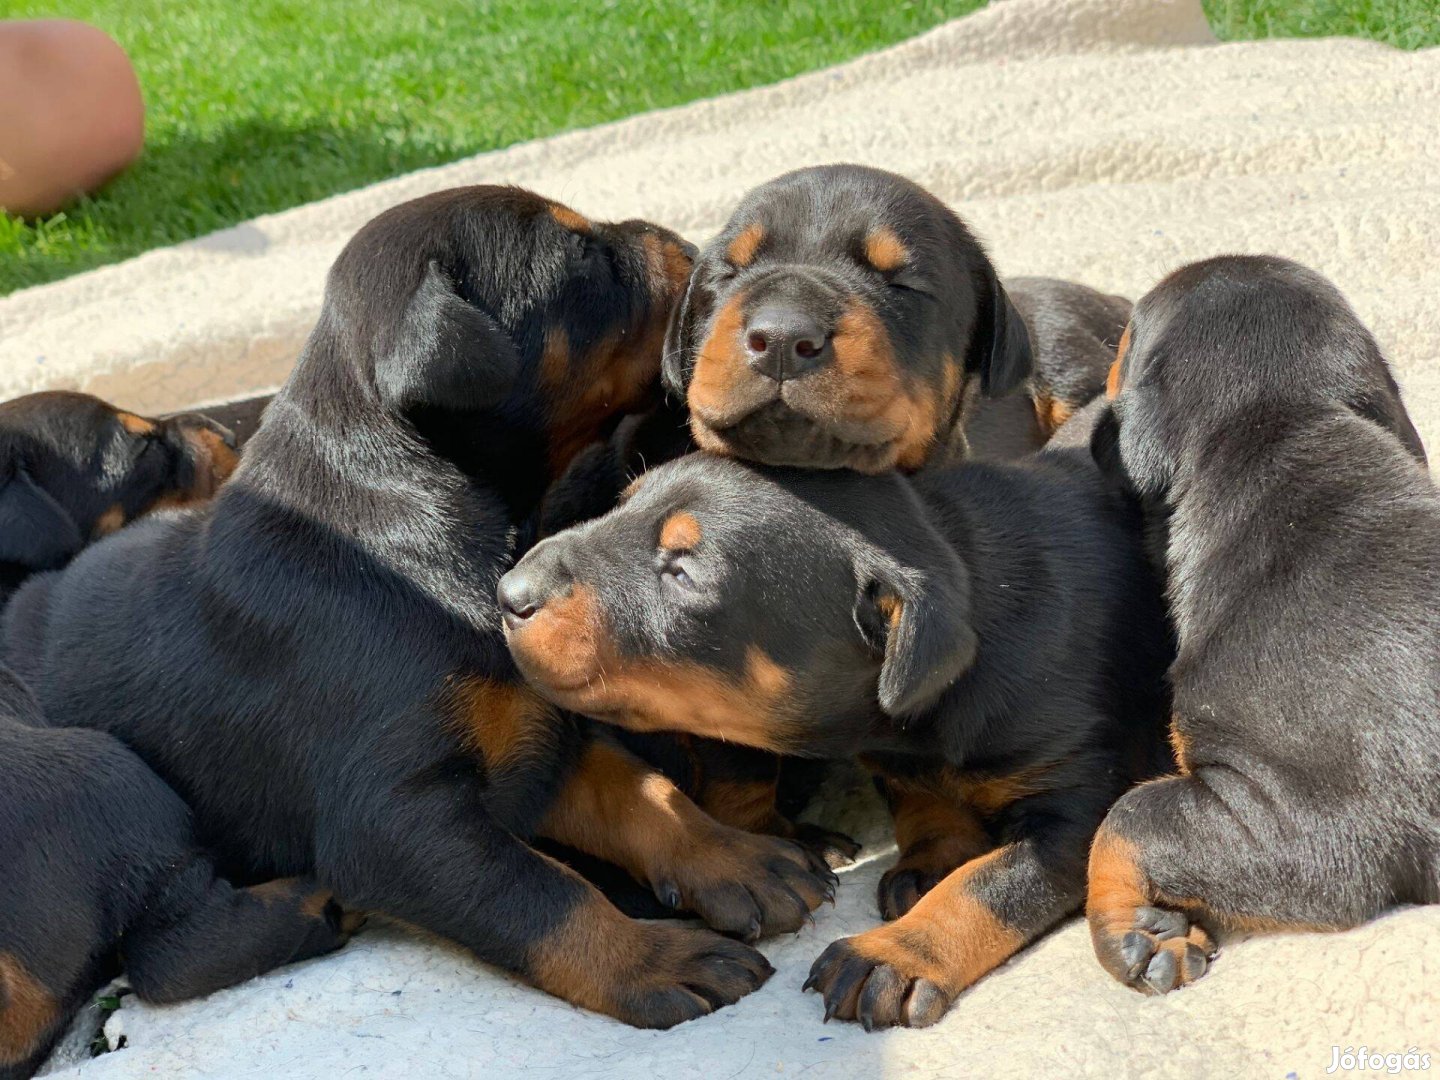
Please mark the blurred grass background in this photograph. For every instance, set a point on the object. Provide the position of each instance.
(255, 107)
(1406, 24)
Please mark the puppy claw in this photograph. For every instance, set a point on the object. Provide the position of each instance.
(882, 1000)
(691, 973)
(1135, 950)
(833, 849)
(746, 885)
(1162, 973)
(1194, 963)
(927, 1004)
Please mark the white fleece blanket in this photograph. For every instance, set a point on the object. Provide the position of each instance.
(1104, 140)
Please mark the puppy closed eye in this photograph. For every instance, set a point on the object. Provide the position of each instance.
(901, 279)
(723, 272)
(672, 572)
(904, 281)
(679, 536)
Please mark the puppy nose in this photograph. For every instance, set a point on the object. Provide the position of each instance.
(691, 251)
(200, 420)
(783, 343)
(518, 596)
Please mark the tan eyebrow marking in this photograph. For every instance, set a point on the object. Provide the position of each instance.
(743, 248)
(570, 219)
(885, 251)
(681, 532)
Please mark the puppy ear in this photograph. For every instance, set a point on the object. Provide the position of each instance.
(1380, 403)
(447, 353)
(1105, 448)
(1000, 349)
(1133, 459)
(37, 532)
(678, 359)
(918, 618)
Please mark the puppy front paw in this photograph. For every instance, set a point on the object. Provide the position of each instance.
(880, 980)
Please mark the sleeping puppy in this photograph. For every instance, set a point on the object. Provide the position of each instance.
(988, 638)
(1300, 534)
(74, 469)
(1074, 332)
(847, 318)
(315, 661)
(734, 784)
(100, 858)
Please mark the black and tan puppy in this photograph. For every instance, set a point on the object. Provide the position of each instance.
(101, 858)
(906, 323)
(74, 469)
(1300, 536)
(315, 661)
(845, 317)
(736, 785)
(989, 637)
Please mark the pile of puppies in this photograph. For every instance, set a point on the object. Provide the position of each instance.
(489, 634)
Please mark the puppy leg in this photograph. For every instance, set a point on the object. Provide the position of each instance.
(909, 971)
(1175, 853)
(430, 855)
(32, 1016)
(936, 836)
(205, 934)
(618, 808)
(739, 786)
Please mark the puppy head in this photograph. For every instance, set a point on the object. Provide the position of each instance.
(796, 611)
(1234, 337)
(73, 469)
(503, 327)
(844, 318)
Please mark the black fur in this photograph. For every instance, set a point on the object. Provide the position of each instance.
(314, 661)
(101, 861)
(978, 629)
(241, 417)
(960, 342)
(1074, 332)
(74, 468)
(1290, 509)
(933, 309)
(944, 302)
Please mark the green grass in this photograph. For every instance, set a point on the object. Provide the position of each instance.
(1407, 24)
(258, 106)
